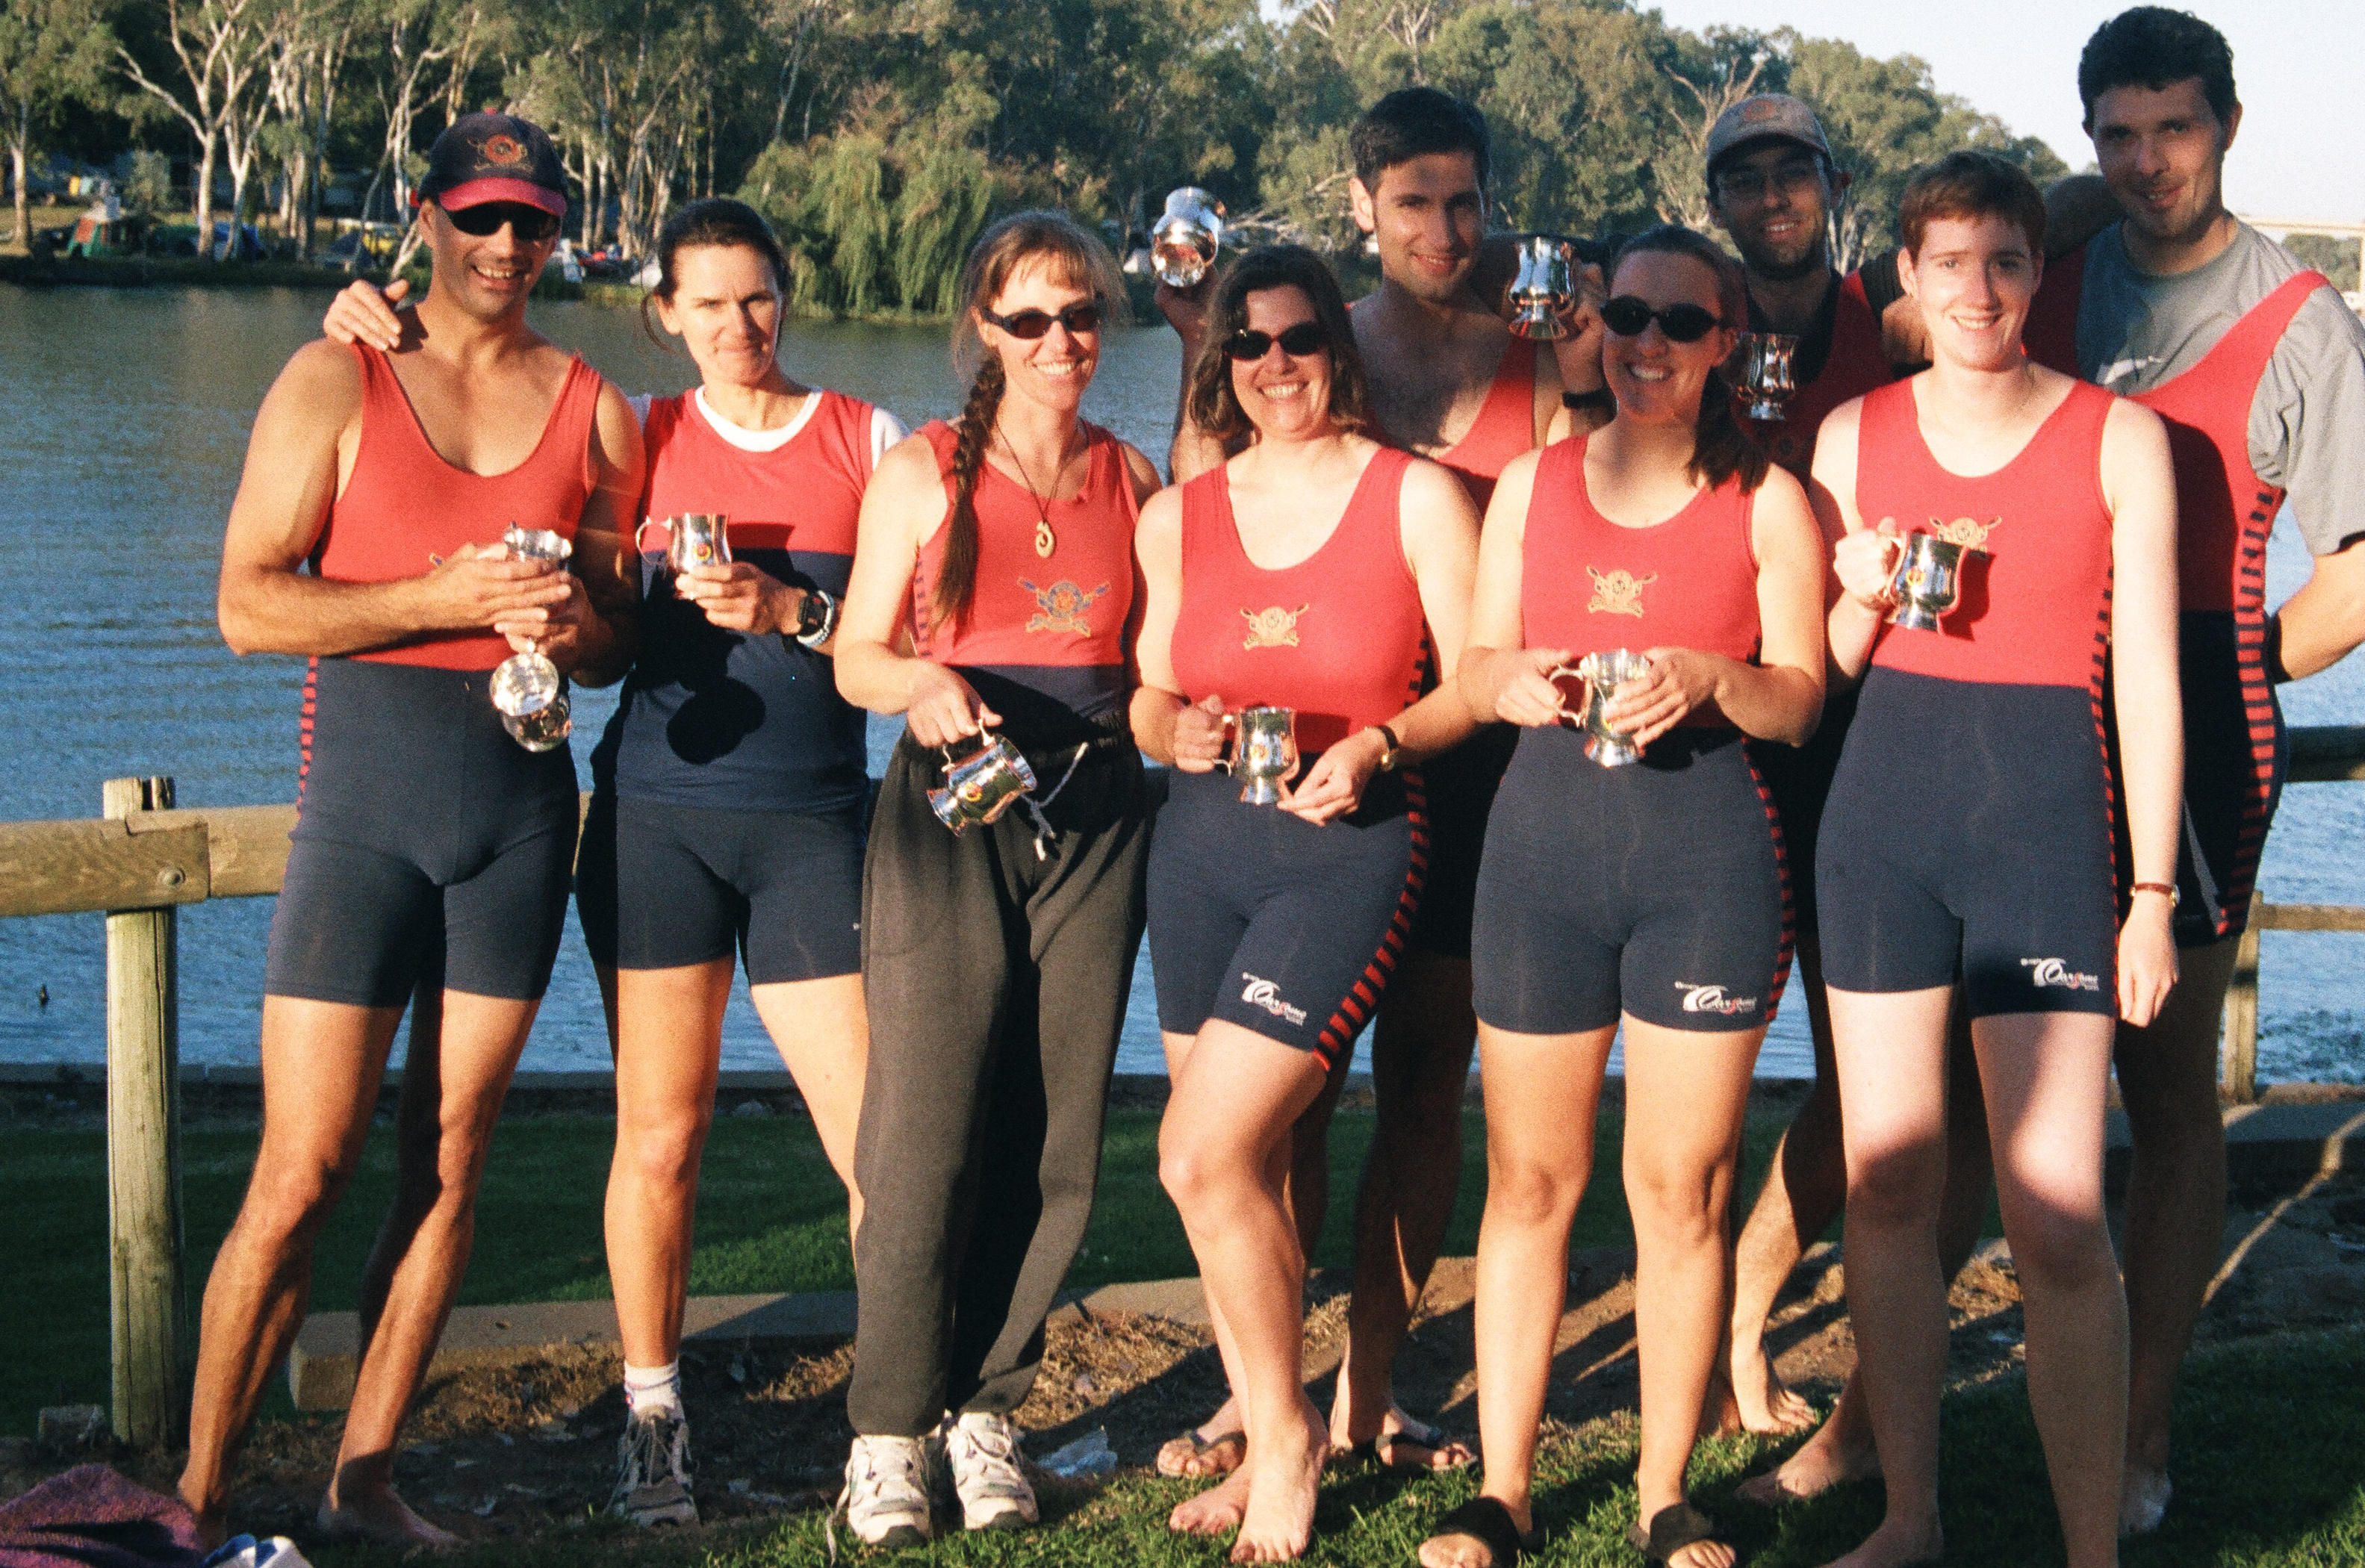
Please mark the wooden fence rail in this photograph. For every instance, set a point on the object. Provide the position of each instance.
(143, 859)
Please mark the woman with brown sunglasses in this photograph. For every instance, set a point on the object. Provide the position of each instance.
(998, 946)
(1301, 588)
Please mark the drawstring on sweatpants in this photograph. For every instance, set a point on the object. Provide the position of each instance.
(1044, 831)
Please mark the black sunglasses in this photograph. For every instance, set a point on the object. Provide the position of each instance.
(1684, 324)
(1083, 317)
(531, 224)
(1296, 341)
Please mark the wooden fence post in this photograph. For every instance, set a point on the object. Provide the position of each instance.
(2238, 1060)
(143, 1151)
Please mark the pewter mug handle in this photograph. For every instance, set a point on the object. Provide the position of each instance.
(648, 523)
(1229, 725)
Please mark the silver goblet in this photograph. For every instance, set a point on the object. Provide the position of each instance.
(527, 689)
(1185, 239)
(1762, 372)
(1927, 580)
(1602, 675)
(981, 786)
(694, 539)
(1264, 752)
(1544, 287)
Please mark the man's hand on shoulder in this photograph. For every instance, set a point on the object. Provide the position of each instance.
(363, 313)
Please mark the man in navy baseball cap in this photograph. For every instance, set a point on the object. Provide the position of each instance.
(484, 157)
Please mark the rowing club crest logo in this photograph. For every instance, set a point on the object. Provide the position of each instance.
(1061, 607)
(1272, 627)
(1968, 532)
(1618, 592)
(504, 149)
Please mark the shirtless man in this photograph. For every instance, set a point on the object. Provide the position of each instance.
(2259, 369)
(1450, 382)
(432, 852)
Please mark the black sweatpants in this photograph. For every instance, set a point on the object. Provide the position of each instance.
(996, 981)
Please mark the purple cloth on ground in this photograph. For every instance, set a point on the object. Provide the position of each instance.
(92, 1517)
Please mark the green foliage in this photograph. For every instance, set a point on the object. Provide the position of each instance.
(2336, 259)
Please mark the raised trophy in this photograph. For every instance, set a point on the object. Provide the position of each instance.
(1544, 287)
(694, 539)
(981, 786)
(1927, 580)
(1184, 241)
(1264, 752)
(527, 689)
(1600, 675)
(1762, 372)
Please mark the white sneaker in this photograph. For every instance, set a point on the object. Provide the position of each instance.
(887, 1483)
(992, 1488)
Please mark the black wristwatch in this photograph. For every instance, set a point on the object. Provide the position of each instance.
(1600, 400)
(1391, 749)
(816, 618)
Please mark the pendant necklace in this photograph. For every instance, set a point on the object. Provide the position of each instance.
(1045, 540)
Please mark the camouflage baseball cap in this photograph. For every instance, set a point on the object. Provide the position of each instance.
(1765, 117)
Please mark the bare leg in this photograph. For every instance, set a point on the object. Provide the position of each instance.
(2045, 1076)
(1892, 1053)
(1420, 1072)
(1229, 1116)
(2176, 1208)
(322, 1063)
(463, 1050)
(1687, 1094)
(1842, 1448)
(822, 1029)
(1543, 1094)
(669, 1029)
(1803, 1193)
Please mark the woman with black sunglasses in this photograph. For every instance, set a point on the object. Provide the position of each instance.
(996, 959)
(1319, 572)
(1648, 895)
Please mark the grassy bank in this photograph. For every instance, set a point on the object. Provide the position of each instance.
(770, 1218)
(2267, 1477)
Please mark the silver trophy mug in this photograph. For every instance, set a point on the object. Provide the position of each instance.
(1762, 374)
(1264, 752)
(527, 689)
(1544, 287)
(1185, 239)
(695, 539)
(1602, 674)
(981, 786)
(1927, 580)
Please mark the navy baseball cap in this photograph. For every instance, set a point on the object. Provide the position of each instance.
(487, 157)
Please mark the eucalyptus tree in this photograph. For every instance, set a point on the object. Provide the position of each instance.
(53, 53)
(222, 48)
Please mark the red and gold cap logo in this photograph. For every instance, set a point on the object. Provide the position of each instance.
(505, 149)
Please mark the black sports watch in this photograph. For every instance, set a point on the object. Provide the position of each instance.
(816, 618)
(1600, 400)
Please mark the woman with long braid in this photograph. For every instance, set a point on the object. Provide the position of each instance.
(1002, 546)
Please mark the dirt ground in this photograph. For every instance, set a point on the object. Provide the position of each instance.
(495, 1452)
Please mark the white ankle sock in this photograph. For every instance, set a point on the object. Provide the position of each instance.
(649, 1390)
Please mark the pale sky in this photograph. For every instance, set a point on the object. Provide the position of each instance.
(2301, 153)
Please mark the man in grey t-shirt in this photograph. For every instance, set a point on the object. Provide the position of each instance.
(2259, 369)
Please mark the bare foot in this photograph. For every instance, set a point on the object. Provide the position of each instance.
(1279, 1521)
(1897, 1546)
(1217, 1510)
(1756, 1399)
(378, 1514)
(1825, 1461)
(2143, 1500)
(1216, 1447)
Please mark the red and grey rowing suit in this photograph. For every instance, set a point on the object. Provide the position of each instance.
(1461, 782)
(1656, 889)
(1970, 822)
(429, 846)
(731, 784)
(1257, 916)
(2259, 367)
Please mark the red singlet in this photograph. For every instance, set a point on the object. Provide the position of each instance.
(1854, 365)
(1066, 611)
(1339, 636)
(404, 508)
(818, 475)
(1505, 425)
(1590, 585)
(2034, 608)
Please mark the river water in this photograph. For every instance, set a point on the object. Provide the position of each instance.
(123, 420)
